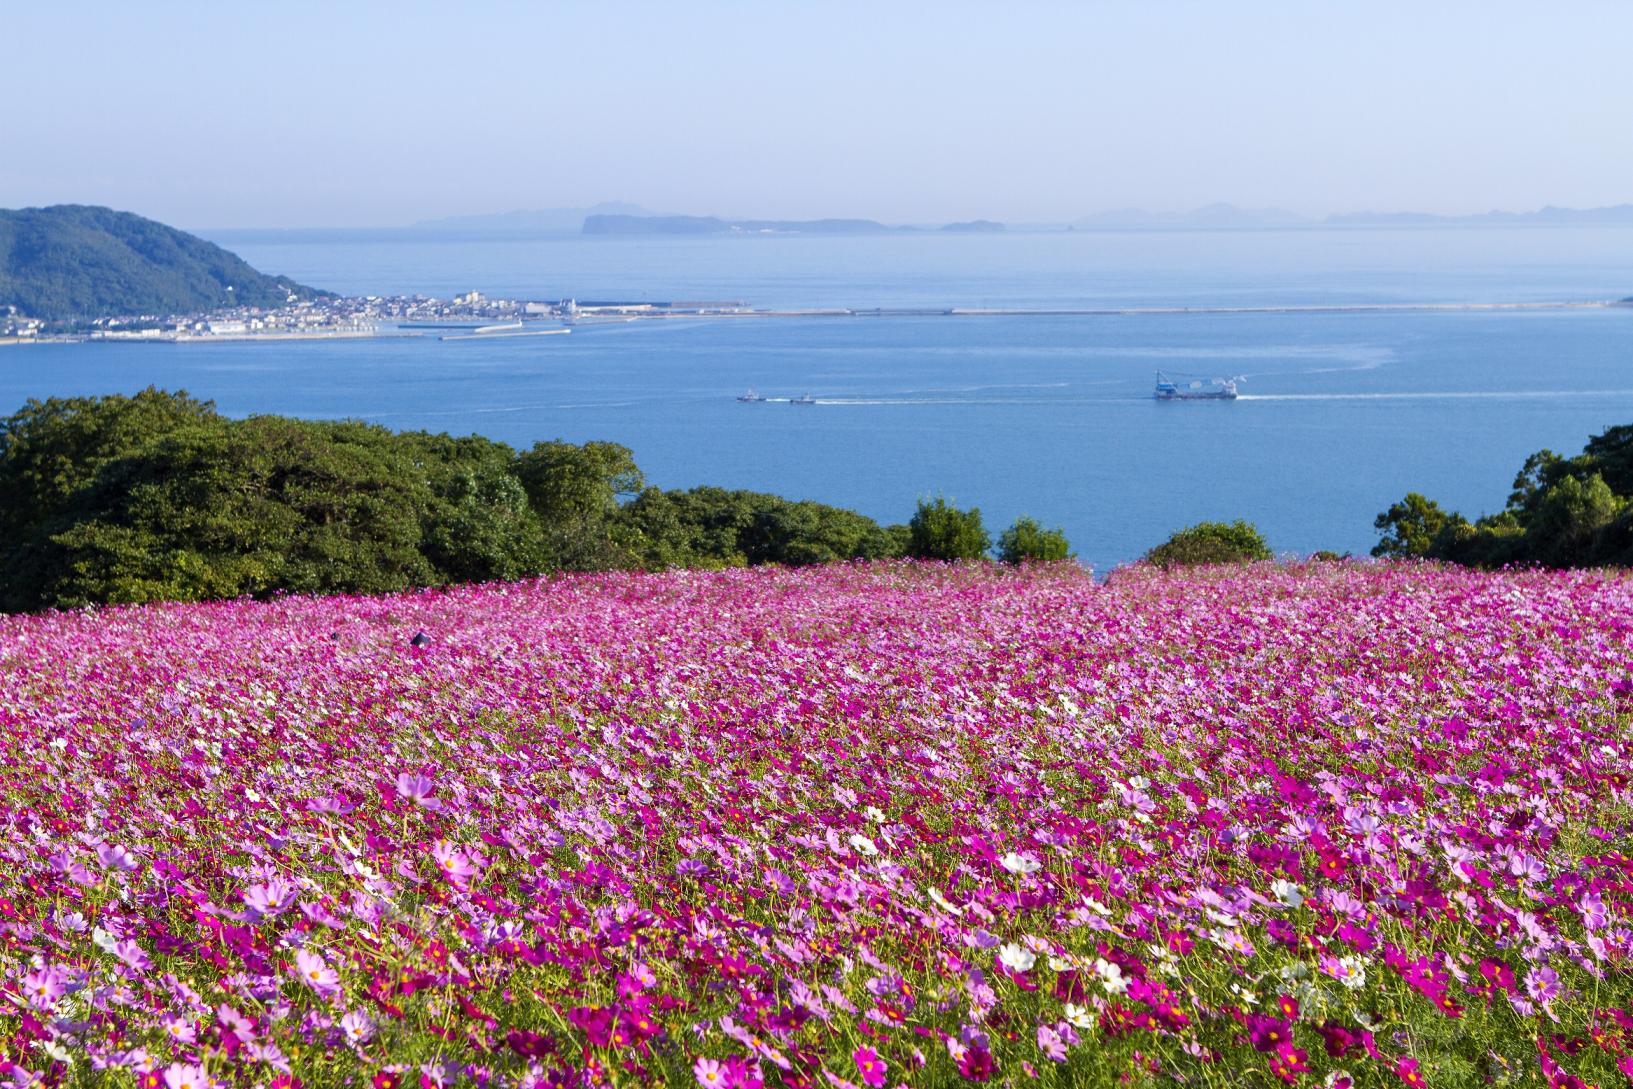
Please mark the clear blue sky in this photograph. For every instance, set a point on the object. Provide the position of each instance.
(367, 114)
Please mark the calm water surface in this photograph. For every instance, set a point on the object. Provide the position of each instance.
(1341, 414)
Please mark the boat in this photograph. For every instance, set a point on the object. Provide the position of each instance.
(750, 398)
(806, 400)
(1214, 389)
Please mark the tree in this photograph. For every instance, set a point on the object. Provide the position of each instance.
(714, 527)
(1411, 525)
(575, 490)
(1572, 514)
(1027, 541)
(1211, 543)
(940, 531)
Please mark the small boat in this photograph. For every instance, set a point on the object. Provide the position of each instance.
(1215, 389)
(806, 400)
(750, 398)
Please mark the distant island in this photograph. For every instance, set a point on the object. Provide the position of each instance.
(528, 221)
(628, 224)
(73, 262)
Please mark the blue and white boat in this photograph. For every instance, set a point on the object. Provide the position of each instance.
(1213, 389)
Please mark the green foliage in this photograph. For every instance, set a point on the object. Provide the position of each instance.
(1562, 512)
(1569, 519)
(574, 490)
(940, 531)
(158, 497)
(1409, 526)
(1027, 541)
(1211, 543)
(714, 527)
(74, 261)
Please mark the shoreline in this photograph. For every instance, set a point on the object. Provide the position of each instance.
(854, 312)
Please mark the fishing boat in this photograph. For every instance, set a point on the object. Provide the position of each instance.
(1213, 389)
(806, 400)
(750, 398)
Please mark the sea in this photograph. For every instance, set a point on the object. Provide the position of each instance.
(1342, 411)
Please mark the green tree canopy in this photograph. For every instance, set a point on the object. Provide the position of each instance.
(1027, 541)
(1409, 526)
(1562, 512)
(1211, 543)
(940, 531)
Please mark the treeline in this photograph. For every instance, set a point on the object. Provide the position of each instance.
(159, 497)
(1563, 512)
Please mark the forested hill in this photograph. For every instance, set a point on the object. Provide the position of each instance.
(74, 261)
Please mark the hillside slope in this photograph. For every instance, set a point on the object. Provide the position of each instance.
(1318, 825)
(73, 261)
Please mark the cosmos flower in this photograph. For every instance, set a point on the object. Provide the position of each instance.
(315, 973)
(1183, 812)
(871, 1067)
(1020, 863)
(270, 899)
(418, 789)
(1016, 958)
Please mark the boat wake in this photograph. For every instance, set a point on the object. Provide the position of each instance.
(1441, 395)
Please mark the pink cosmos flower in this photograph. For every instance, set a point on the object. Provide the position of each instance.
(316, 973)
(186, 1076)
(43, 986)
(273, 898)
(871, 1066)
(454, 865)
(115, 857)
(1542, 984)
(417, 788)
(357, 1026)
(709, 1073)
(133, 956)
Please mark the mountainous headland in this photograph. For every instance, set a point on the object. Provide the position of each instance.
(73, 262)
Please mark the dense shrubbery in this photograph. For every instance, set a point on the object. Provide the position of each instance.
(1563, 512)
(1209, 543)
(159, 497)
(1028, 542)
(940, 531)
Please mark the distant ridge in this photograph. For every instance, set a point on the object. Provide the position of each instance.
(79, 262)
(629, 224)
(539, 221)
(1614, 214)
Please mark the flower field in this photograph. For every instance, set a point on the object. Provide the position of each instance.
(852, 826)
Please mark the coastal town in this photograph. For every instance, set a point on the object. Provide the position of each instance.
(474, 315)
(333, 317)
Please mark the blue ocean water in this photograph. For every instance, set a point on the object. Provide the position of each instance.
(1342, 412)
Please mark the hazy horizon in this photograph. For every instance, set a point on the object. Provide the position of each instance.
(387, 115)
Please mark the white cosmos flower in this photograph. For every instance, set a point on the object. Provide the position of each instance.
(945, 904)
(1019, 863)
(1288, 893)
(875, 814)
(1079, 1016)
(1111, 976)
(863, 845)
(1017, 958)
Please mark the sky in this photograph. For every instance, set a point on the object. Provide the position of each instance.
(362, 114)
